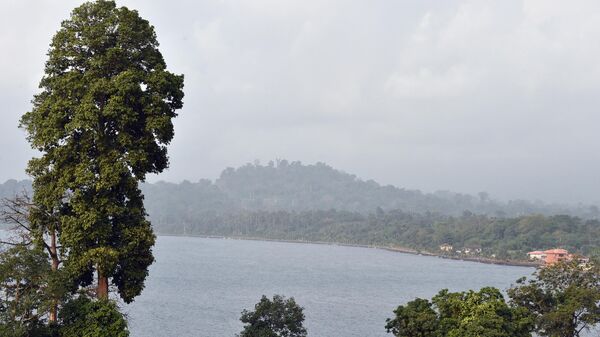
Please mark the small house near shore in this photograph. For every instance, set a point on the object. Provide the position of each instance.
(536, 255)
(446, 247)
(474, 250)
(551, 256)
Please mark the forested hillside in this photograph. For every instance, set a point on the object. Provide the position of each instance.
(285, 186)
(297, 187)
(293, 201)
(505, 238)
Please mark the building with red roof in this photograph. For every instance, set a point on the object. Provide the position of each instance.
(557, 255)
(550, 256)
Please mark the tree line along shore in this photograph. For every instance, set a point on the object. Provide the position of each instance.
(293, 201)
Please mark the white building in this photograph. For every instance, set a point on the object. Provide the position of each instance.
(537, 255)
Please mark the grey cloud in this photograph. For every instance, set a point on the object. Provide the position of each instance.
(461, 95)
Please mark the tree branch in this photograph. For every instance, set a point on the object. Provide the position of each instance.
(15, 243)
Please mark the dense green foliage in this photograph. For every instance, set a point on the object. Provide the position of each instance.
(481, 313)
(560, 300)
(92, 318)
(279, 317)
(31, 292)
(24, 278)
(509, 238)
(101, 122)
(415, 319)
(563, 298)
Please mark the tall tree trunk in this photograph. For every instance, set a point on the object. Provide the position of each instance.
(102, 292)
(55, 262)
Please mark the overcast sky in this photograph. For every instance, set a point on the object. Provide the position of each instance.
(468, 96)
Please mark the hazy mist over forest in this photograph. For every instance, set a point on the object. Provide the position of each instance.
(358, 167)
(466, 96)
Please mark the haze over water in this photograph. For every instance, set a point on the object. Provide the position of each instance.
(198, 287)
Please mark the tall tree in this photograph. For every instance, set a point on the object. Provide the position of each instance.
(102, 121)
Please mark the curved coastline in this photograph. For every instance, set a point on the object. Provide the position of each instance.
(397, 249)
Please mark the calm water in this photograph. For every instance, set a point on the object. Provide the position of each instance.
(198, 287)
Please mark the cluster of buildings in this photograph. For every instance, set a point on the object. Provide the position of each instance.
(465, 250)
(547, 257)
(552, 256)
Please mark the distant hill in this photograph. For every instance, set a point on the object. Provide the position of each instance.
(293, 186)
(12, 187)
(293, 201)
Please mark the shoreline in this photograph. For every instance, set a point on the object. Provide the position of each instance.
(396, 249)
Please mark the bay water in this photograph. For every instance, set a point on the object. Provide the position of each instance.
(198, 286)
